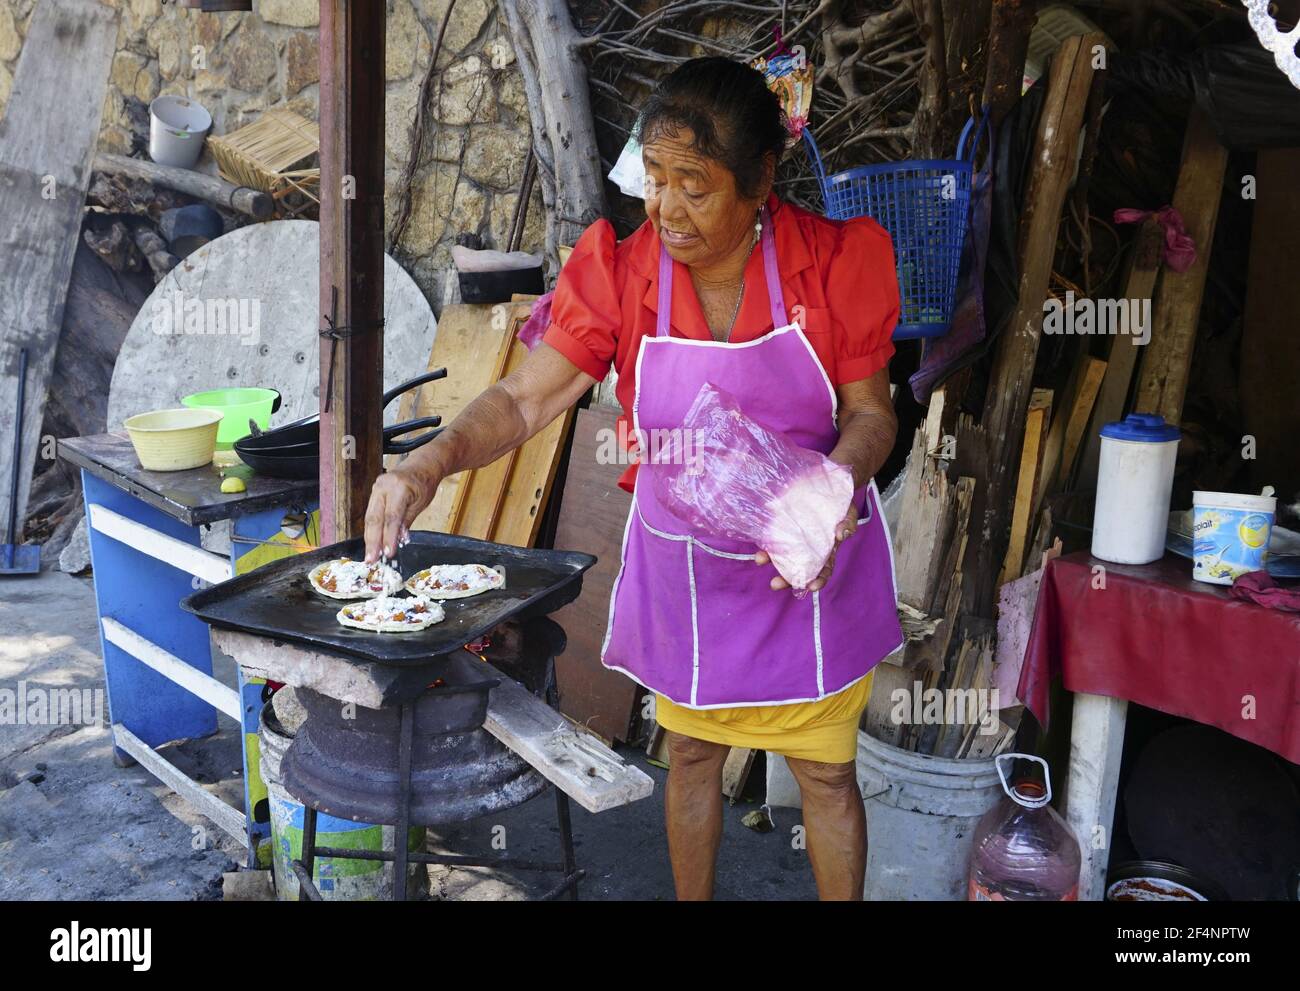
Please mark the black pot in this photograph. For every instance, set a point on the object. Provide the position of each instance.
(1161, 870)
(188, 228)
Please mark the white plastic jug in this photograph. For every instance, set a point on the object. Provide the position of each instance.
(1134, 480)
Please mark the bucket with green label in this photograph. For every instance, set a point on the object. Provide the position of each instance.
(1230, 534)
(337, 879)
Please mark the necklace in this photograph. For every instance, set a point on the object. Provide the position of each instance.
(740, 294)
(736, 312)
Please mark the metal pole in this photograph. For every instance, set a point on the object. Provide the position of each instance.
(306, 881)
(12, 537)
(403, 828)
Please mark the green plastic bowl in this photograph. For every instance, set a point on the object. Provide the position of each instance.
(238, 406)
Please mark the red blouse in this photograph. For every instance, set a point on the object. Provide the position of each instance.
(838, 279)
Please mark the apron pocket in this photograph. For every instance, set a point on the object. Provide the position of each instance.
(651, 633)
(756, 645)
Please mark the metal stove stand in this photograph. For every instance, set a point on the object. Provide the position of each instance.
(400, 857)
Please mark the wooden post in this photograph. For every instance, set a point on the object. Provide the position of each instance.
(1069, 83)
(1162, 379)
(1270, 360)
(1144, 265)
(1011, 23)
(1031, 465)
(47, 140)
(351, 261)
(564, 136)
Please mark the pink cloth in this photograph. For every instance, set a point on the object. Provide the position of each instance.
(1180, 249)
(539, 318)
(1260, 588)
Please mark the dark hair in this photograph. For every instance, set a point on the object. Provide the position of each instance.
(734, 117)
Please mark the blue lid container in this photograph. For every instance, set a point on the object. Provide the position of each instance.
(1149, 428)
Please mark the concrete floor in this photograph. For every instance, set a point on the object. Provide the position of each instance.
(74, 826)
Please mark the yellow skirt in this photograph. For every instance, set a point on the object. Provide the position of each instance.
(825, 731)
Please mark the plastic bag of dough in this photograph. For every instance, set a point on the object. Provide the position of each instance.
(727, 474)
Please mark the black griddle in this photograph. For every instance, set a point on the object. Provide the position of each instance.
(277, 601)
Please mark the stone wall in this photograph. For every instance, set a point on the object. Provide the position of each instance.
(239, 64)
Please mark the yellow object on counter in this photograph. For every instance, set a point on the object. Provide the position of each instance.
(174, 439)
(826, 730)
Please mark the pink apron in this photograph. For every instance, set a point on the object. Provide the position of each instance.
(691, 616)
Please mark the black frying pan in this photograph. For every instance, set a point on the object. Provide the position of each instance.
(303, 460)
(307, 429)
(293, 450)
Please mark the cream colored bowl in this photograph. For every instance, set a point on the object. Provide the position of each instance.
(174, 439)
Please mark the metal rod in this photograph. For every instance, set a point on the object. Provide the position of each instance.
(18, 457)
(569, 884)
(402, 833)
(444, 860)
(308, 861)
(566, 839)
(307, 891)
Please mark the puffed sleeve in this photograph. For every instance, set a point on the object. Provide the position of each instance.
(585, 313)
(862, 294)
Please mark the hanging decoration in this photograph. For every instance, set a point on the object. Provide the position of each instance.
(790, 77)
(1279, 43)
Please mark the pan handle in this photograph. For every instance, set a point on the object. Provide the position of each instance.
(405, 427)
(397, 390)
(407, 446)
(276, 402)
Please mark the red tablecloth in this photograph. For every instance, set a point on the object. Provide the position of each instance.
(1154, 636)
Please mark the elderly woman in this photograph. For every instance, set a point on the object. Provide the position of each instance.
(792, 314)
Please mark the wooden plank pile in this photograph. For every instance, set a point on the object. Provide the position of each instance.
(47, 140)
(979, 500)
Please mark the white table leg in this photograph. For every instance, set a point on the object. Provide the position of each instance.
(1096, 745)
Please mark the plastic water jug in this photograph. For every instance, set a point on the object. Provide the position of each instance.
(1024, 851)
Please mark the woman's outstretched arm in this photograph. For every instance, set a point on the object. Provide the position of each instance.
(496, 422)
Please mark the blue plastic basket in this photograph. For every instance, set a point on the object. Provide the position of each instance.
(924, 205)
